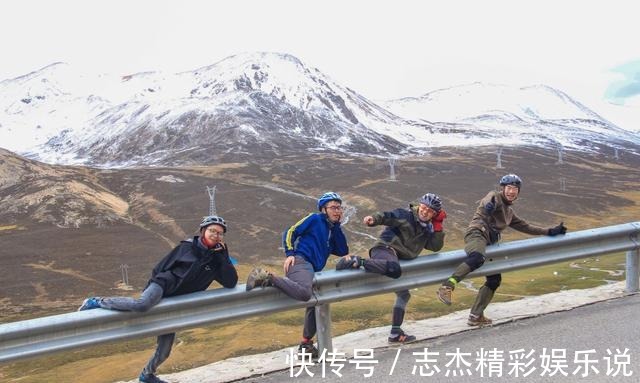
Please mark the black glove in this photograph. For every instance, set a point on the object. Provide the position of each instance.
(560, 229)
(490, 206)
(218, 254)
(494, 235)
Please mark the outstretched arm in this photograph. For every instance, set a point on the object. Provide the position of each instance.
(522, 226)
(387, 218)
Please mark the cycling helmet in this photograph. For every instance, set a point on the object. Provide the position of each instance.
(326, 197)
(213, 220)
(511, 179)
(432, 200)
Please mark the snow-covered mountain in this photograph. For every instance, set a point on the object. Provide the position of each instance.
(270, 104)
(536, 115)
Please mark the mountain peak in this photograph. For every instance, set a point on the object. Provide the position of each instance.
(269, 103)
(534, 102)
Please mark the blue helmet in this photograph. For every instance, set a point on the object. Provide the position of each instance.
(432, 200)
(326, 197)
(511, 179)
(213, 220)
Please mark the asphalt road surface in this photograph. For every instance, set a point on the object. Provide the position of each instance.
(594, 343)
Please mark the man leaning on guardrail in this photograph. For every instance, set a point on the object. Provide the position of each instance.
(189, 267)
(307, 244)
(493, 215)
(407, 233)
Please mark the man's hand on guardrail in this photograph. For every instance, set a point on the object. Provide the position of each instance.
(560, 229)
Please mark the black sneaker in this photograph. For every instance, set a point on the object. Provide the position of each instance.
(352, 262)
(150, 378)
(308, 348)
(401, 337)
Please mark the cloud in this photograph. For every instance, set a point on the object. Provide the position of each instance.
(620, 91)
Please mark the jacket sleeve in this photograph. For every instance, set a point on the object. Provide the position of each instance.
(292, 233)
(436, 241)
(162, 274)
(339, 245)
(227, 274)
(522, 226)
(388, 218)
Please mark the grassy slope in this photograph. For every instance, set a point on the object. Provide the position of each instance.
(123, 361)
(201, 346)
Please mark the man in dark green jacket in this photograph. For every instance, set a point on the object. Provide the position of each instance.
(493, 215)
(407, 233)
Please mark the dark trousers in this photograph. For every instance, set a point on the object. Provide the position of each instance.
(298, 284)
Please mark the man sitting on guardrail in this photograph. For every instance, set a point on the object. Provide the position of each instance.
(493, 215)
(307, 244)
(408, 232)
(189, 267)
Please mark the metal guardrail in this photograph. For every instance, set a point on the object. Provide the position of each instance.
(30, 338)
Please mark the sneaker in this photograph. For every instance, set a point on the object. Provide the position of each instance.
(401, 337)
(478, 320)
(258, 277)
(89, 304)
(308, 348)
(444, 294)
(150, 378)
(352, 262)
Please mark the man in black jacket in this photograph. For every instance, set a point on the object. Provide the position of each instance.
(406, 234)
(189, 267)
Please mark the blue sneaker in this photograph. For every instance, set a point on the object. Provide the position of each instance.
(90, 303)
(150, 378)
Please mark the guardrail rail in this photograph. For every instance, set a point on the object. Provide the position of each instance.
(39, 336)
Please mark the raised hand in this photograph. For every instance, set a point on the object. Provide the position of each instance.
(438, 219)
(490, 206)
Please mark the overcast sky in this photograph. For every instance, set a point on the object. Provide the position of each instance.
(382, 49)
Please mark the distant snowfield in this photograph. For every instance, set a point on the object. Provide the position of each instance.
(246, 366)
(60, 115)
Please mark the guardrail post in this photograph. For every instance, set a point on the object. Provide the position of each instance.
(323, 326)
(633, 271)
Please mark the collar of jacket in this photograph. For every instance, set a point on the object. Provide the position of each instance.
(331, 224)
(414, 210)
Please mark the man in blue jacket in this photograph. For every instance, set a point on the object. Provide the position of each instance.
(189, 267)
(308, 244)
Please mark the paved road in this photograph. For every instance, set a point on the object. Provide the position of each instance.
(612, 325)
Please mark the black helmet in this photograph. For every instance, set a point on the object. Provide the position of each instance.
(432, 200)
(213, 220)
(511, 179)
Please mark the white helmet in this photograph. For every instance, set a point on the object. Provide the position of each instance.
(213, 220)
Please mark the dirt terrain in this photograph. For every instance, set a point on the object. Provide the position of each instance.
(67, 232)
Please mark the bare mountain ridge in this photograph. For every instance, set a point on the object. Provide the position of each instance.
(63, 196)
